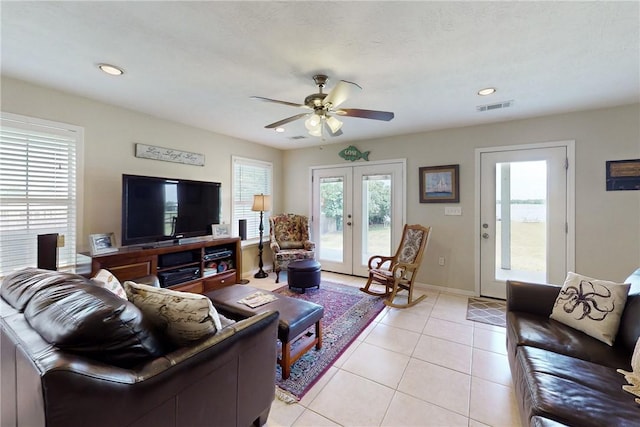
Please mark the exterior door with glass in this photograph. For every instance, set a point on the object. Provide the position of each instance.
(358, 211)
(524, 217)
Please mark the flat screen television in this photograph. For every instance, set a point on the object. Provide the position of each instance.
(157, 209)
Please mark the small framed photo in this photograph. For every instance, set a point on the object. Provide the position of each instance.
(220, 231)
(440, 184)
(102, 243)
(623, 175)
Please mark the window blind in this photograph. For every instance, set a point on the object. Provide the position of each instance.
(250, 177)
(38, 166)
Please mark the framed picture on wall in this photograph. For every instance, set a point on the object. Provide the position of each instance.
(102, 243)
(440, 184)
(623, 175)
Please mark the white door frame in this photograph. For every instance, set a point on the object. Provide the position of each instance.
(571, 202)
(403, 196)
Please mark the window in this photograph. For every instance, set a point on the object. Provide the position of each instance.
(250, 177)
(38, 167)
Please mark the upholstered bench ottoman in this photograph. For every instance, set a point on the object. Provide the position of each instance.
(303, 274)
(296, 317)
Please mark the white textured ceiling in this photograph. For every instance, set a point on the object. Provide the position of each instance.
(199, 62)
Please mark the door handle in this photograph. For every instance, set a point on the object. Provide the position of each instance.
(485, 235)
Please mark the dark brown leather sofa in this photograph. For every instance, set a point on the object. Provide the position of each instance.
(226, 379)
(562, 376)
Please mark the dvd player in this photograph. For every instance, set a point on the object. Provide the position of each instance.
(169, 278)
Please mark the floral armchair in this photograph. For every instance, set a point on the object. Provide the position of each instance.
(289, 240)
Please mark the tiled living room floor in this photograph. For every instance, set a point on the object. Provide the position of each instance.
(421, 366)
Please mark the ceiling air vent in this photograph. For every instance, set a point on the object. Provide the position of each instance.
(298, 137)
(497, 106)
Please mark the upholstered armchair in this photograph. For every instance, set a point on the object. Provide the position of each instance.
(289, 240)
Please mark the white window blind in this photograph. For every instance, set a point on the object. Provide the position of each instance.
(38, 166)
(250, 177)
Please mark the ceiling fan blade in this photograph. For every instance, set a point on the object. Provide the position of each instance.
(291, 104)
(365, 114)
(287, 120)
(340, 93)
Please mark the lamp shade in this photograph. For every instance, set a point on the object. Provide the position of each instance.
(261, 203)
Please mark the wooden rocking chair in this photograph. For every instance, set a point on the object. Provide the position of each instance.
(399, 271)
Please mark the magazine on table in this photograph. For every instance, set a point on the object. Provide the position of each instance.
(257, 299)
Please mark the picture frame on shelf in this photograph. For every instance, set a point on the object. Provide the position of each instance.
(220, 231)
(440, 184)
(101, 244)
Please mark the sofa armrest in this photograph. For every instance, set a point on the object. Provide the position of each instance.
(534, 298)
(212, 378)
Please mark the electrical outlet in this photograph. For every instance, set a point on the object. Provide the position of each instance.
(453, 210)
(441, 260)
(60, 242)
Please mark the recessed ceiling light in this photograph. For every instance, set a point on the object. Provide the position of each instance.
(279, 130)
(487, 91)
(111, 69)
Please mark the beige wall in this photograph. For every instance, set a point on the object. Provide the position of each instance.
(109, 138)
(607, 225)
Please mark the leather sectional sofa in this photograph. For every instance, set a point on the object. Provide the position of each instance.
(225, 379)
(562, 376)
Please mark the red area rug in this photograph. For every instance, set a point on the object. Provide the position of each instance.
(347, 312)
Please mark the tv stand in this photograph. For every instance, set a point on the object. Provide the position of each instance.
(193, 266)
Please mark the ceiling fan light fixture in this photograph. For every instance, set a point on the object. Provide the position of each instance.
(316, 132)
(313, 122)
(334, 124)
(279, 129)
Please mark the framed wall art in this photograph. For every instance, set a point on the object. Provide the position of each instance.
(440, 184)
(102, 243)
(623, 175)
(169, 155)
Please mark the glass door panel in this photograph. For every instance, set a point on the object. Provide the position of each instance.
(376, 224)
(331, 215)
(521, 221)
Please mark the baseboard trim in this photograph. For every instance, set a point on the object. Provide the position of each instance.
(444, 289)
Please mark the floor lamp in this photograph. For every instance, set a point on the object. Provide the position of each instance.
(261, 203)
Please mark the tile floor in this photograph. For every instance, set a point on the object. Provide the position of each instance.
(421, 366)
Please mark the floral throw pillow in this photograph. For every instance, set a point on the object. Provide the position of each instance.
(592, 306)
(106, 279)
(183, 317)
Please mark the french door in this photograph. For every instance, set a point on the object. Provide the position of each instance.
(358, 211)
(525, 216)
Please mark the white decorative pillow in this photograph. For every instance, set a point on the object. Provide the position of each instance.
(106, 279)
(592, 306)
(183, 316)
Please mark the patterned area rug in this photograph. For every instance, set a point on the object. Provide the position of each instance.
(347, 312)
(486, 310)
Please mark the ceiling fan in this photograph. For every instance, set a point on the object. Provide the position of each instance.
(324, 108)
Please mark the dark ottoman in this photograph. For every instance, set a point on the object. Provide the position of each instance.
(304, 274)
(296, 318)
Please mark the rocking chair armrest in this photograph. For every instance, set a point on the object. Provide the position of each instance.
(382, 259)
(309, 245)
(404, 267)
(275, 247)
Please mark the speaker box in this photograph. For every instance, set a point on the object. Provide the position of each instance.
(242, 227)
(48, 251)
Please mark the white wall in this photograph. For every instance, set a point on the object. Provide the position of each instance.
(607, 223)
(607, 226)
(109, 138)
